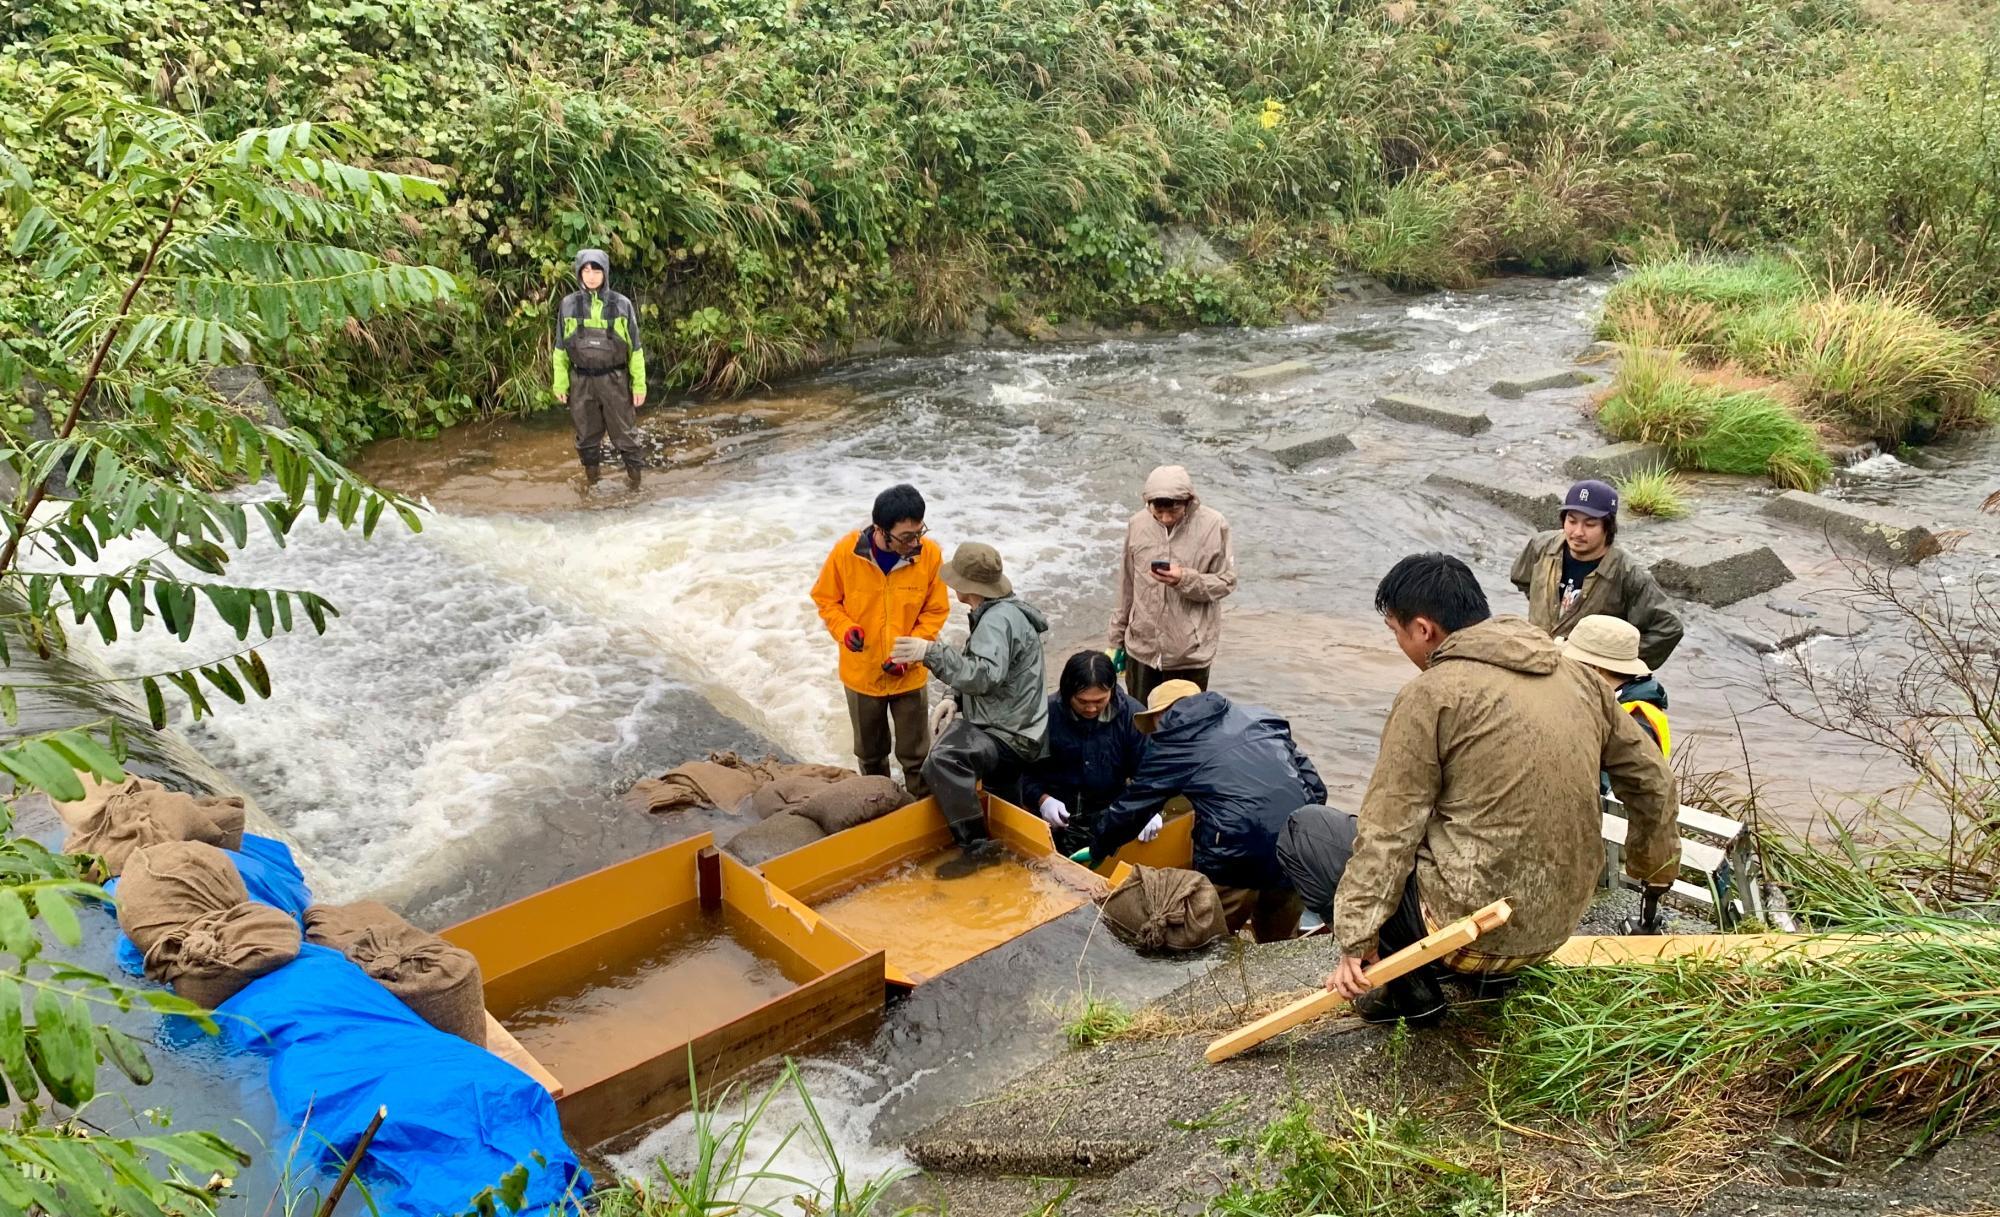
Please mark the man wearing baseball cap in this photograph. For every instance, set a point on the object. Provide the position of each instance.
(1245, 777)
(1578, 570)
(1000, 720)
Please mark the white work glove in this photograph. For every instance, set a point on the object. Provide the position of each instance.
(1152, 828)
(909, 650)
(1054, 813)
(942, 716)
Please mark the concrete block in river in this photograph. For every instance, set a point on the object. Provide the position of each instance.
(1555, 378)
(1459, 421)
(1618, 461)
(1885, 536)
(1721, 575)
(1538, 505)
(1299, 447)
(1269, 376)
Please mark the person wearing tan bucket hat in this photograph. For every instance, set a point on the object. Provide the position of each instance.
(999, 720)
(1610, 647)
(1245, 777)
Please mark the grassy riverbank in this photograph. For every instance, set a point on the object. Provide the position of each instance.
(780, 179)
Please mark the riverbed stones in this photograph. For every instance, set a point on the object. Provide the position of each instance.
(1426, 413)
(1538, 505)
(242, 387)
(1721, 575)
(1268, 376)
(1301, 447)
(1883, 535)
(1535, 382)
(1618, 461)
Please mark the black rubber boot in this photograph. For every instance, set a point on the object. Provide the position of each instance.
(1416, 999)
(631, 477)
(591, 473)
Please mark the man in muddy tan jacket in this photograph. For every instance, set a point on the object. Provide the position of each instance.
(1486, 788)
(1177, 566)
(1577, 571)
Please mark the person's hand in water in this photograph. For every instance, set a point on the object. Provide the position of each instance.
(975, 856)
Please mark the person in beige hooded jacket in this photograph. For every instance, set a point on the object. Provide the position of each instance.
(1176, 567)
(1485, 789)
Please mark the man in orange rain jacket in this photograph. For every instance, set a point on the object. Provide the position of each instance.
(881, 583)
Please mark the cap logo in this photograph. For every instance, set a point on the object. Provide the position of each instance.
(1583, 496)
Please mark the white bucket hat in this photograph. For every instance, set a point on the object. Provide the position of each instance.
(1606, 642)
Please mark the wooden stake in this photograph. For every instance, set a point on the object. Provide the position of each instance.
(353, 1160)
(1434, 946)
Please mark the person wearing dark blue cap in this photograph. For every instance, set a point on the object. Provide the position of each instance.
(1577, 570)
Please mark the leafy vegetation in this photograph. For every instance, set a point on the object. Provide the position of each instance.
(1095, 1021)
(1854, 360)
(1711, 421)
(778, 179)
(164, 252)
(1368, 1165)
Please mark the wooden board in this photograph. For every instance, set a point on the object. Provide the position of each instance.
(501, 1043)
(1589, 950)
(1435, 945)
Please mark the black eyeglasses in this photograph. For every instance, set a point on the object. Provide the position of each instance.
(904, 538)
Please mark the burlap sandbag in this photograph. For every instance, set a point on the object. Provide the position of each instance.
(724, 780)
(766, 839)
(139, 813)
(1163, 908)
(171, 884)
(437, 980)
(856, 800)
(788, 793)
(207, 960)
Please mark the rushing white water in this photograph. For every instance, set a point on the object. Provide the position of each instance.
(793, 1142)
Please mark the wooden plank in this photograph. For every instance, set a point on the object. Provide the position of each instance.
(1592, 950)
(660, 1086)
(1433, 946)
(501, 1043)
(1705, 822)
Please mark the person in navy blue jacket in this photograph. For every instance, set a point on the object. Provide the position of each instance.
(1245, 777)
(1093, 751)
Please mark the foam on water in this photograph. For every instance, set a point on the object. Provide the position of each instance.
(443, 703)
(720, 584)
(784, 1139)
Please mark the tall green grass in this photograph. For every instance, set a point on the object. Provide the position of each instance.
(1905, 1028)
(1709, 424)
(1653, 492)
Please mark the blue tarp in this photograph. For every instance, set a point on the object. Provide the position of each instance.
(459, 1117)
(268, 872)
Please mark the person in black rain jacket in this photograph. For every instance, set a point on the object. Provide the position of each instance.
(1245, 777)
(1093, 751)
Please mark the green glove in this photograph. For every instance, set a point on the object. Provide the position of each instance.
(1081, 855)
(1117, 659)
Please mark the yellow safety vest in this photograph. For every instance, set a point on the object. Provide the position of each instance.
(1655, 718)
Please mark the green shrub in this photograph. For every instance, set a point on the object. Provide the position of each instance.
(1395, 1165)
(1655, 492)
(1420, 238)
(1690, 302)
(1711, 423)
(1884, 366)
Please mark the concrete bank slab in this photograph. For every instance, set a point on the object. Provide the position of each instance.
(1538, 505)
(1886, 536)
(1269, 376)
(1300, 447)
(1425, 413)
(1554, 378)
(1721, 575)
(1618, 461)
